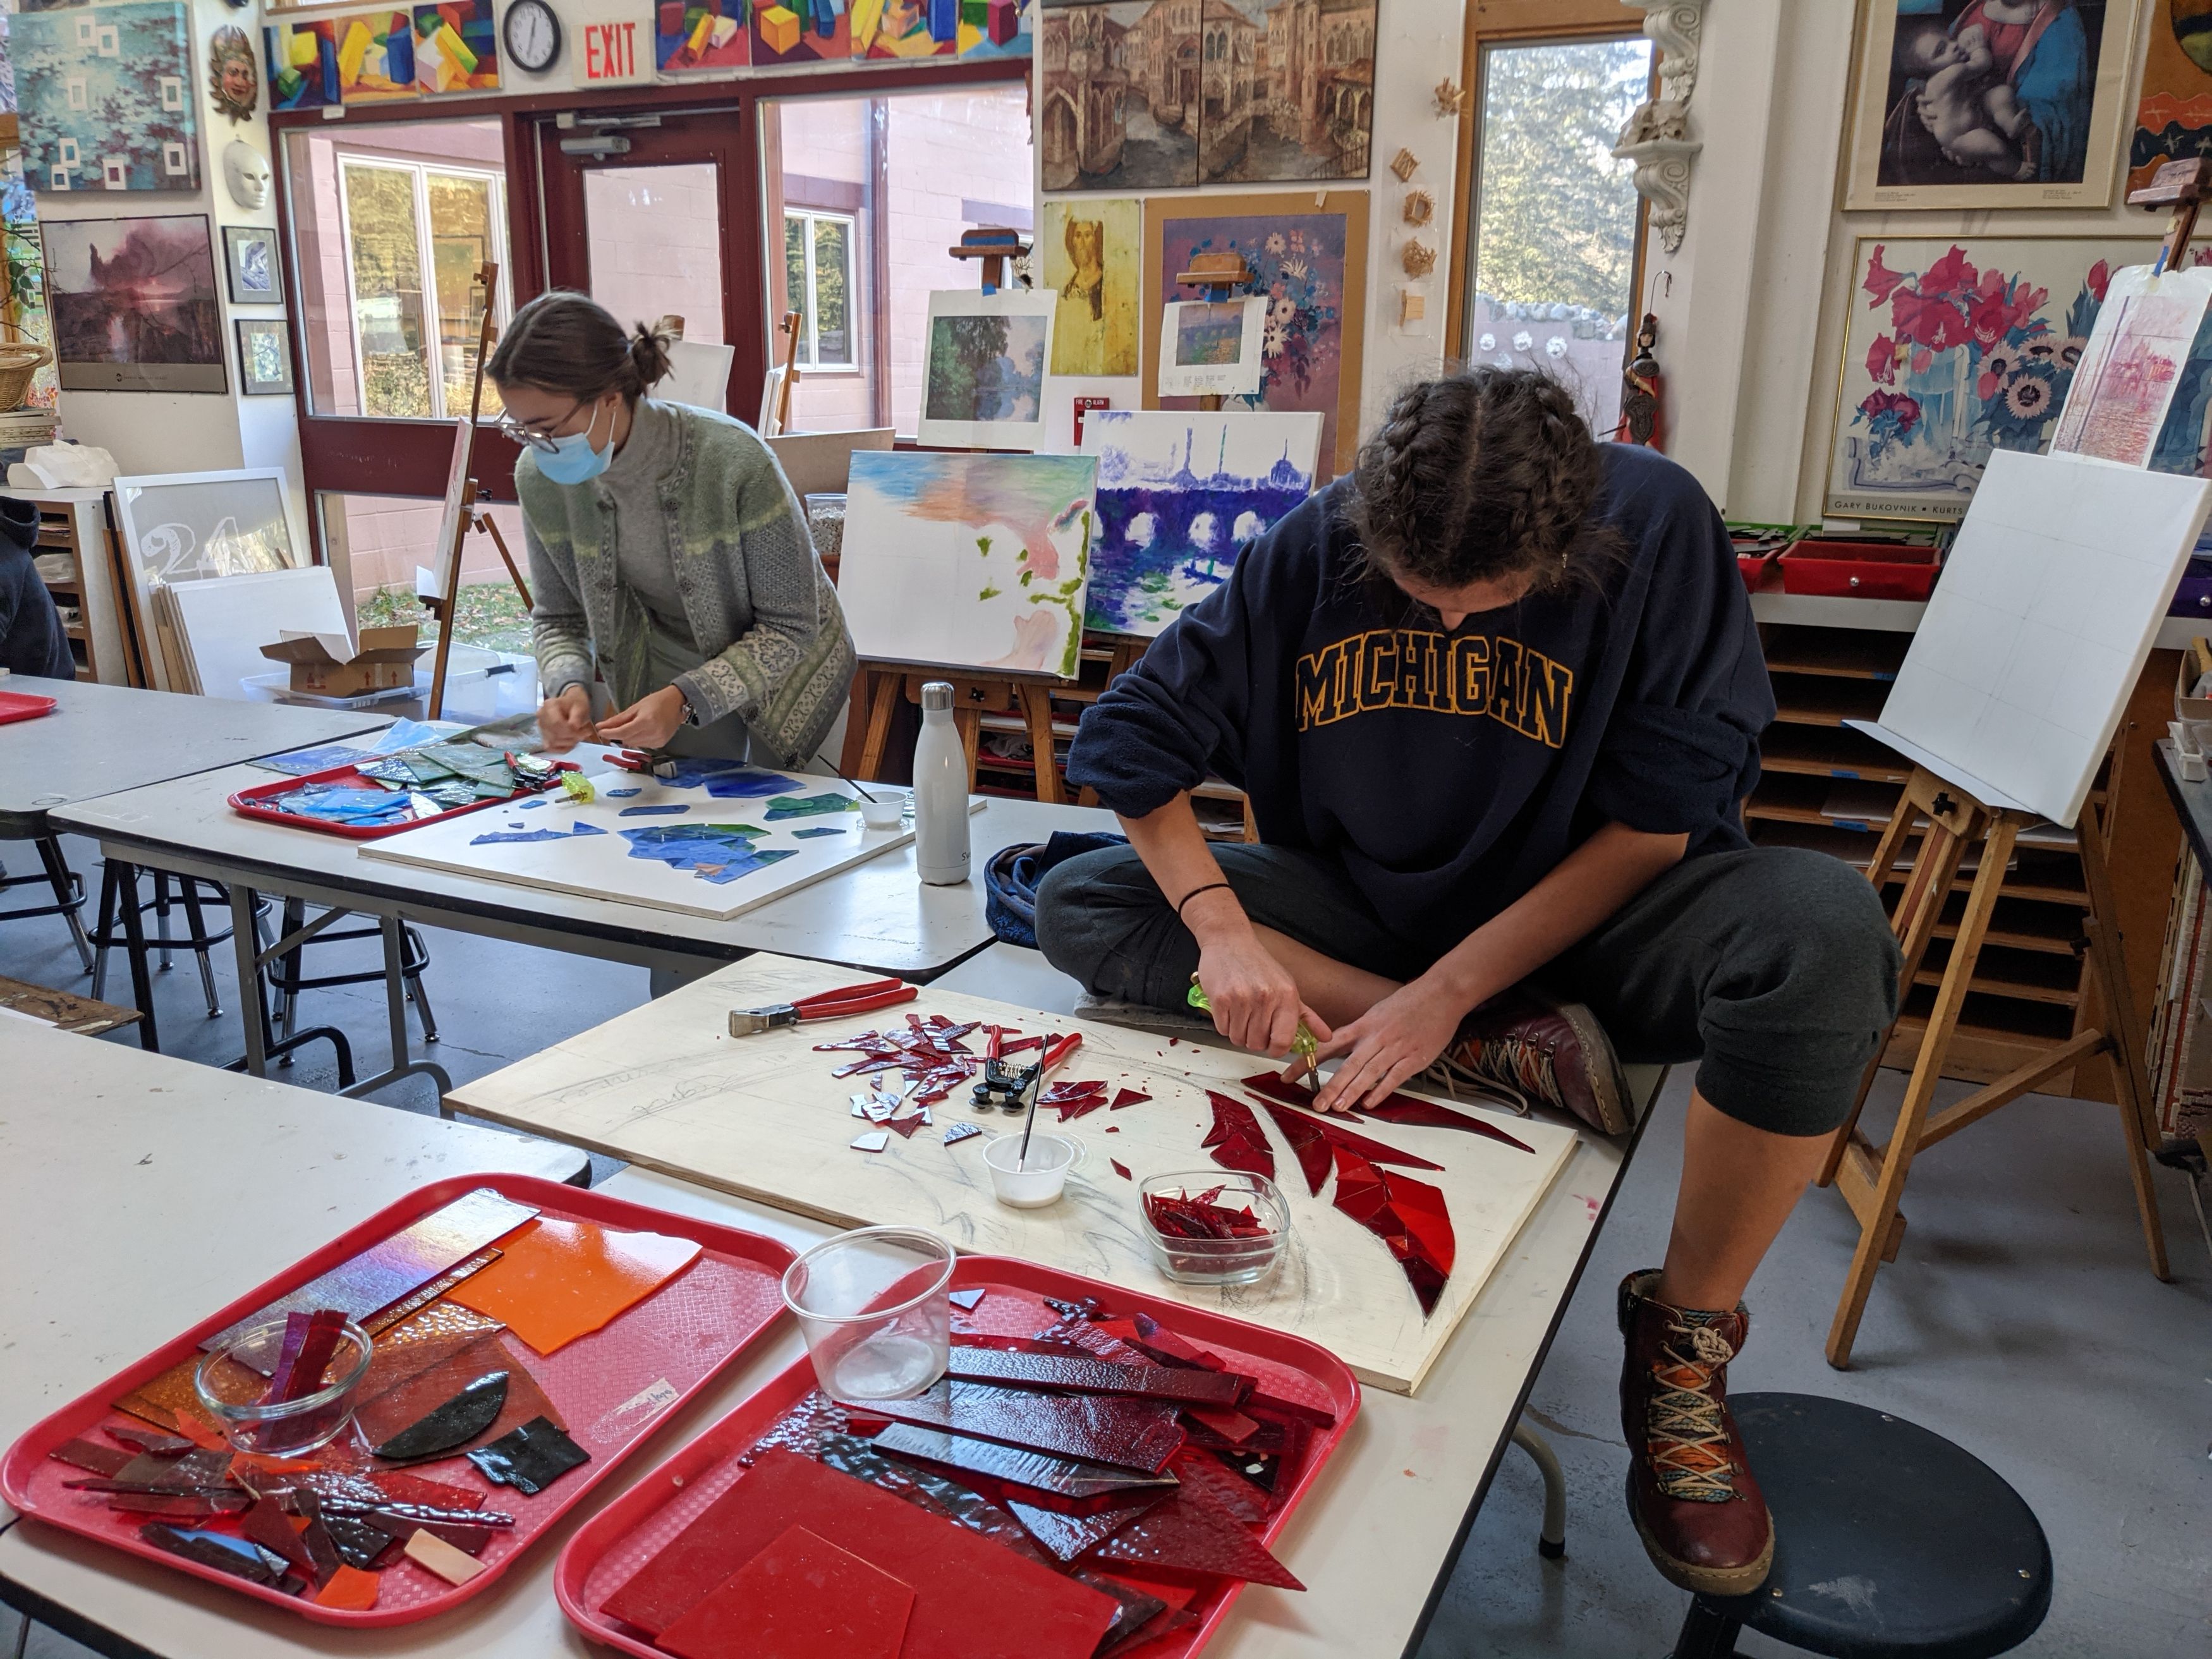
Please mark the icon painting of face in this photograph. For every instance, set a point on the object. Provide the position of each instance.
(234, 80)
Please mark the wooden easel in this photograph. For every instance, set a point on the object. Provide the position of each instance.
(472, 515)
(880, 685)
(1872, 1178)
(779, 420)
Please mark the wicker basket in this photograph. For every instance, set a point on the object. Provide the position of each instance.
(17, 364)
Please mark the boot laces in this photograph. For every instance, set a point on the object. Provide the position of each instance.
(1688, 1437)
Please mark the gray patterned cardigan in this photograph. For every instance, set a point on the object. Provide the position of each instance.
(756, 597)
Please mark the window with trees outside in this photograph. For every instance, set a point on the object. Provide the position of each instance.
(1557, 220)
(390, 223)
(818, 255)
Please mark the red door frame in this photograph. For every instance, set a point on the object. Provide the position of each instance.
(345, 455)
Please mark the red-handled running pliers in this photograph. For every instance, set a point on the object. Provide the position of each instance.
(822, 1005)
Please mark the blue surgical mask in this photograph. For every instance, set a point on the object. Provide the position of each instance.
(573, 459)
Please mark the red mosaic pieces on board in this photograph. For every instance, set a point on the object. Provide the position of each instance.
(1236, 1140)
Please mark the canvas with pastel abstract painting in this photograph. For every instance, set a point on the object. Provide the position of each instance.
(969, 561)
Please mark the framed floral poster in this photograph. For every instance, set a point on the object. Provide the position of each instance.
(1956, 347)
(1991, 103)
(1307, 251)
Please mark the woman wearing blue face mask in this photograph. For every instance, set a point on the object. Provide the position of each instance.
(668, 556)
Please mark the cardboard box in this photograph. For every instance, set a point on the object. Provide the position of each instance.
(333, 665)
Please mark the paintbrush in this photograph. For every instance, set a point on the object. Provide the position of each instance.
(1029, 1123)
(840, 771)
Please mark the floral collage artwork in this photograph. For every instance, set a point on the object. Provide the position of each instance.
(1307, 266)
(1957, 348)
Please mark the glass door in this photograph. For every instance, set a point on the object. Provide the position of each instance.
(654, 216)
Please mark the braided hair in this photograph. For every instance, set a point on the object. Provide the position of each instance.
(1479, 476)
(570, 344)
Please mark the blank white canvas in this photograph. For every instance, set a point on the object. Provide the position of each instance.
(2041, 626)
(225, 624)
(600, 867)
(698, 374)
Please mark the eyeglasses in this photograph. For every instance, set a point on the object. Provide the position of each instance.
(529, 437)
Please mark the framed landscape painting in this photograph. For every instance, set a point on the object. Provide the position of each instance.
(134, 304)
(983, 371)
(1957, 346)
(1991, 103)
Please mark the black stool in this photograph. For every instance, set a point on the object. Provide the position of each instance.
(67, 890)
(1889, 1542)
(287, 976)
(192, 892)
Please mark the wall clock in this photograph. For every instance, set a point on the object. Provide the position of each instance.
(532, 34)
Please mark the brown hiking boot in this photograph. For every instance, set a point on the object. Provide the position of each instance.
(1528, 1047)
(1691, 1492)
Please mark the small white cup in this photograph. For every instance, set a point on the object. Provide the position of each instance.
(885, 811)
(1037, 1182)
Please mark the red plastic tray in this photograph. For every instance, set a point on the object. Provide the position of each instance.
(621, 1538)
(613, 1386)
(23, 706)
(1860, 571)
(248, 801)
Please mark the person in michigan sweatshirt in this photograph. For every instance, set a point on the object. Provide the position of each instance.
(1495, 698)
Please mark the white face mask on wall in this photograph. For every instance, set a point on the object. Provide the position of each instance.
(247, 172)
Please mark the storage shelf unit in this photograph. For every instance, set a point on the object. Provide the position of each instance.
(74, 522)
(1833, 790)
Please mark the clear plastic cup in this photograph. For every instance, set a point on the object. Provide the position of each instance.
(871, 1305)
(1031, 1183)
(886, 811)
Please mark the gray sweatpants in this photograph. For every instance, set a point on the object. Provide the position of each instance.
(1774, 967)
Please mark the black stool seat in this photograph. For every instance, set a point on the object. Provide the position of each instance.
(1889, 1541)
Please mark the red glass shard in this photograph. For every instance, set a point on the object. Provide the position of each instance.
(1067, 1536)
(1129, 1097)
(1087, 1376)
(1421, 1208)
(163, 1506)
(1306, 1142)
(220, 1550)
(147, 1440)
(1236, 1140)
(1067, 1477)
(1061, 1094)
(974, 1598)
(1217, 1482)
(905, 1126)
(1374, 1151)
(800, 1598)
(1139, 1434)
(1170, 1349)
(1019, 1045)
(1427, 1114)
(1232, 1426)
(267, 1525)
(1423, 1246)
(101, 1459)
(936, 1494)
(1120, 1169)
(311, 1340)
(1191, 1532)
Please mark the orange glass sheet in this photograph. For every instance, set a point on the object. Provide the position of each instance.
(349, 1589)
(559, 1280)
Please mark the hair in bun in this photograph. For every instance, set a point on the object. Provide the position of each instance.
(570, 343)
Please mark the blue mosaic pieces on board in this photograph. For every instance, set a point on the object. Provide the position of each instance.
(570, 834)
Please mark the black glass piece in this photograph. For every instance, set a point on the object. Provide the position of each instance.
(529, 1458)
(458, 1421)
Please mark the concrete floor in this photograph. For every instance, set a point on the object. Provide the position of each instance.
(2020, 1321)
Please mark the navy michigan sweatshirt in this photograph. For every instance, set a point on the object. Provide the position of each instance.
(1450, 772)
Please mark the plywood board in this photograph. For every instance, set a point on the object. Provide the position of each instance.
(602, 866)
(665, 1086)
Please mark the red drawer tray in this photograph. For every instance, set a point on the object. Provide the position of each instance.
(621, 1538)
(1860, 571)
(614, 1387)
(250, 802)
(23, 706)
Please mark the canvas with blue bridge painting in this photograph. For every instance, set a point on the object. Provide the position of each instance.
(1179, 495)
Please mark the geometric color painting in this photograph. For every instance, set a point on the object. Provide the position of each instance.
(969, 561)
(359, 58)
(105, 97)
(456, 47)
(1179, 495)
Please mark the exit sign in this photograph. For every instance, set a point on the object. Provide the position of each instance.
(613, 45)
